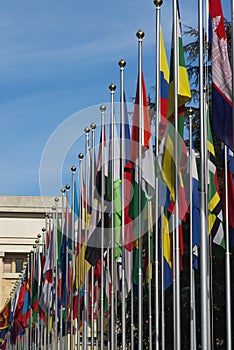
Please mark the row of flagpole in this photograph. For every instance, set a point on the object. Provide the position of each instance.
(75, 332)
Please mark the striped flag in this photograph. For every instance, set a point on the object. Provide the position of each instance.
(215, 213)
(164, 80)
(147, 166)
(167, 251)
(222, 119)
(184, 95)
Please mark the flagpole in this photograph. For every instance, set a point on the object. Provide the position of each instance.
(205, 338)
(48, 230)
(140, 35)
(176, 252)
(80, 156)
(227, 258)
(158, 4)
(43, 254)
(149, 216)
(31, 288)
(162, 280)
(102, 109)
(93, 127)
(57, 269)
(73, 170)
(67, 188)
(61, 307)
(112, 88)
(122, 64)
(209, 240)
(85, 327)
(55, 294)
(132, 319)
(193, 342)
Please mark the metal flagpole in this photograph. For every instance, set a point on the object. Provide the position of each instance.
(193, 341)
(93, 127)
(112, 88)
(31, 288)
(205, 338)
(158, 4)
(80, 156)
(209, 241)
(162, 280)
(176, 252)
(73, 170)
(102, 109)
(48, 231)
(140, 35)
(56, 272)
(62, 343)
(122, 64)
(149, 273)
(227, 258)
(43, 254)
(54, 290)
(86, 282)
(67, 188)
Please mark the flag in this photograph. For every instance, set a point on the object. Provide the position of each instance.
(215, 213)
(126, 136)
(147, 166)
(167, 251)
(222, 119)
(36, 284)
(184, 95)
(196, 231)
(4, 324)
(128, 230)
(45, 296)
(93, 251)
(230, 199)
(114, 180)
(164, 80)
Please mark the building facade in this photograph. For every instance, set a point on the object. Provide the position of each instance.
(21, 220)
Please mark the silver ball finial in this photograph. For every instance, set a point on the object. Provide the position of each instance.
(140, 34)
(112, 87)
(102, 108)
(158, 3)
(93, 126)
(122, 63)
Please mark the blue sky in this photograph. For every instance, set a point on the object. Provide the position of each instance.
(57, 58)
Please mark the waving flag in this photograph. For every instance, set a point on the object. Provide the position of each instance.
(184, 95)
(195, 211)
(221, 77)
(164, 79)
(230, 184)
(148, 172)
(215, 213)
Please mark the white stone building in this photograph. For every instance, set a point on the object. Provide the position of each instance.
(21, 220)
